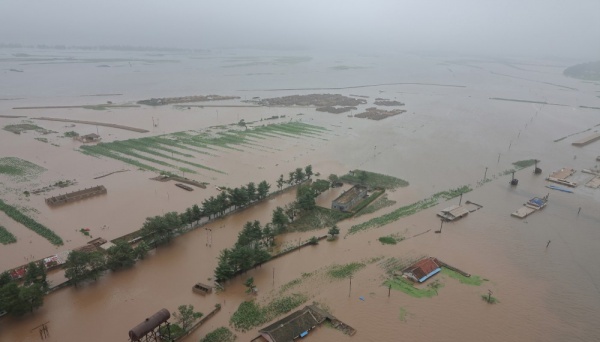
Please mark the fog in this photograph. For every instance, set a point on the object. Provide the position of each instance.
(503, 28)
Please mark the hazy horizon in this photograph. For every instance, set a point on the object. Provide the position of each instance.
(509, 28)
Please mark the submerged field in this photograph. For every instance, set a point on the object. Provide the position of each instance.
(178, 151)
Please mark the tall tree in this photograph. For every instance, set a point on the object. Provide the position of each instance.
(305, 197)
(76, 267)
(185, 316)
(81, 266)
(280, 182)
(263, 189)
(196, 213)
(121, 255)
(308, 171)
(299, 175)
(291, 178)
(251, 191)
(36, 274)
(279, 219)
(141, 250)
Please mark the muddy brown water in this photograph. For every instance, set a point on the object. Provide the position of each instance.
(446, 139)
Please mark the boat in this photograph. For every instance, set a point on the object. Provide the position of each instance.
(202, 289)
(554, 187)
(184, 187)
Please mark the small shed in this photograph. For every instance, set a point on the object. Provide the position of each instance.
(453, 212)
(89, 138)
(349, 198)
(422, 269)
(295, 325)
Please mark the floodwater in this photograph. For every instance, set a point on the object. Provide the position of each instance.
(451, 134)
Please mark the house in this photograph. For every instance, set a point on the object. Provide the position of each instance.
(295, 325)
(349, 198)
(453, 212)
(422, 269)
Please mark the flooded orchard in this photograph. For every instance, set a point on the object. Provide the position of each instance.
(464, 121)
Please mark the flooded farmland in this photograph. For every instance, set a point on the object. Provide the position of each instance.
(454, 132)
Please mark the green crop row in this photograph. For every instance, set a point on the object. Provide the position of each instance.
(6, 237)
(408, 209)
(30, 223)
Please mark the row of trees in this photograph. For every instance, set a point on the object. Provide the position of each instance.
(18, 300)
(161, 229)
(249, 251)
(82, 266)
(295, 177)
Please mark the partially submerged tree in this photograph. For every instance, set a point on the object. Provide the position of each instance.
(333, 231)
(121, 255)
(185, 316)
(81, 266)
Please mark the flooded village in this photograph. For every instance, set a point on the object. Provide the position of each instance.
(312, 196)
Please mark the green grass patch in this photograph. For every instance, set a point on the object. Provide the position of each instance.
(472, 280)
(362, 204)
(6, 237)
(317, 218)
(30, 223)
(406, 286)
(391, 239)
(521, 164)
(408, 209)
(249, 314)
(16, 167)
(374, 180)
(44, 140)
(387, 240)
(221, 334)
(344, 271)
(20, 128)
(379, 203)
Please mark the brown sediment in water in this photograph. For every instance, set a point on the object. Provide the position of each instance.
(548, 294)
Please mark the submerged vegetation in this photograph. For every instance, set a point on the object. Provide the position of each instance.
(472, 280)
(344, 271)
(373, 180)
(150, 153)
(391, 239)
(6, 237)
(221, 334)
(250, 314)
(30, 223)
(409, 209)
(406, 286)
(19, 168)
(23, 127)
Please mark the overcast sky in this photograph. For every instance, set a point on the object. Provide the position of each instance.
(498, 27)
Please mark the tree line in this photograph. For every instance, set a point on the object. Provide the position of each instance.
(83, 266)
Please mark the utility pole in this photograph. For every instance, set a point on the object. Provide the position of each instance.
(350, 290)
(389, 290)
(485, 174)
(460, 200)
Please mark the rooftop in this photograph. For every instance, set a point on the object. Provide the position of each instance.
(349, 194)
